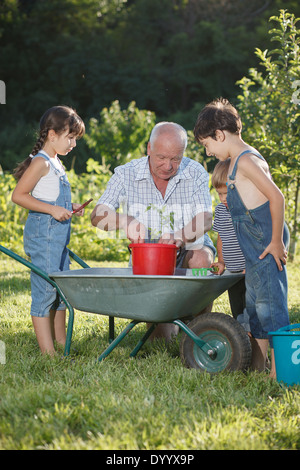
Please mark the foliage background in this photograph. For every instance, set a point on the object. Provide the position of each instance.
(126, 64)
(168, 56)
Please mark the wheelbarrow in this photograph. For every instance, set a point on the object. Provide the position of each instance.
(211, 342)
(45, 276)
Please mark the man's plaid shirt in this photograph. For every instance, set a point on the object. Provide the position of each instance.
(132, 189)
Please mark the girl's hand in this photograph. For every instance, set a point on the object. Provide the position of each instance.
(60, 213)
(278, 251)
(75, 206)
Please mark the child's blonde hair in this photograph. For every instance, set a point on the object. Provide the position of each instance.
(219, 176)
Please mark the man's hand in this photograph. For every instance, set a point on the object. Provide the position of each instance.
(171, 239)
(135, 230)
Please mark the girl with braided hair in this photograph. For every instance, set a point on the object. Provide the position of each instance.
(44, 189)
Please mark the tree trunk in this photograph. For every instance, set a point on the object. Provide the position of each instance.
(293, 243)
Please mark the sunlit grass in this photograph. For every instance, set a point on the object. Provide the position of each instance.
(150, 402)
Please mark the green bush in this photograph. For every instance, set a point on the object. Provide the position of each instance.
(12, 217)
(85, 240)
(120, 134)
(269, 105)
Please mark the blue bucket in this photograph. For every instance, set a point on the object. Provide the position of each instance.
(287, 354)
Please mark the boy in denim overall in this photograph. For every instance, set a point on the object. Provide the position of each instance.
(44, 189)
(257, 210)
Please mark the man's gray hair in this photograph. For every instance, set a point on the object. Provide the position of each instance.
(166, 127)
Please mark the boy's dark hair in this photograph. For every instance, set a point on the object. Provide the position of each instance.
(219, 176)
(219, 114)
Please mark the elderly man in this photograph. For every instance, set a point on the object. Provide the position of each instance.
(164, 197)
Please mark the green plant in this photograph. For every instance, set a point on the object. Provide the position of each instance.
(269, 106)
(12, 217)
(166, 221)
(85, 239)
(120, 135)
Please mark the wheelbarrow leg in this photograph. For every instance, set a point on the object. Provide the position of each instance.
(143, 340)
(117, 340)
(45, 276)
(111, 324)
(210, 351)
(111, 329)
(69, 330)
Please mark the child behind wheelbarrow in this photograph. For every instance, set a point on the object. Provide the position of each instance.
(257, 210)
(44, 189)
(230, 255)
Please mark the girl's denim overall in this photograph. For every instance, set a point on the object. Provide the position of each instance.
(45, 241)
(266, 286)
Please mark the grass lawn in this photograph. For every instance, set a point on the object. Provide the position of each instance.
(148, 403)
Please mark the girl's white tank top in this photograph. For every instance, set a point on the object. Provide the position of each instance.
(47, 188)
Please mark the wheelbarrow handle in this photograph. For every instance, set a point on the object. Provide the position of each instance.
(45, 276)
(29, 265)
(39, 271)
(36, 270)
(78, 260)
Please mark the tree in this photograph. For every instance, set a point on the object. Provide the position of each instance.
(120, 135)
(270, 111)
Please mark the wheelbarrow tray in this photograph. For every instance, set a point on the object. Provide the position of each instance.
(154, 299)
(119, 293)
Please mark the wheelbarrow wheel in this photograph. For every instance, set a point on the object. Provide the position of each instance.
(231, 347)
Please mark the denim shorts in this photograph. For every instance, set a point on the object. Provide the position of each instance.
(265, 302)
(45, 241)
